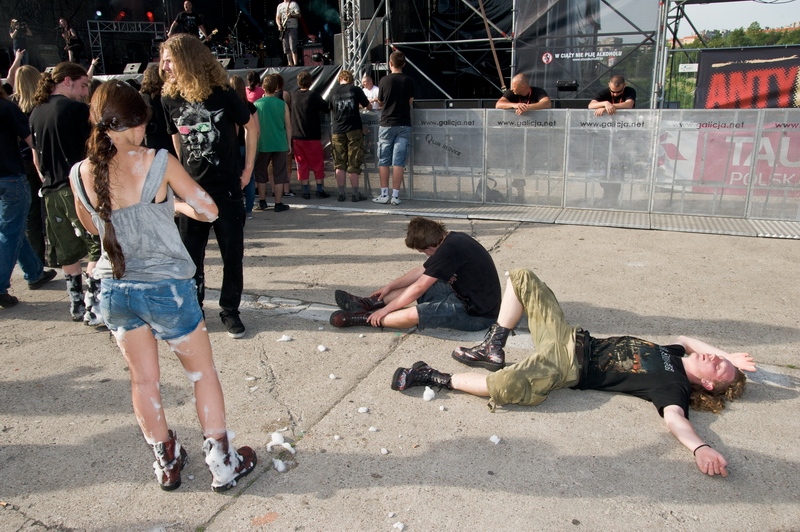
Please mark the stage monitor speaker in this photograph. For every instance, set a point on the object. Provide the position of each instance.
(463, 104)
(272, 62)
(225, 62)
(308, 55)
(132, 68)
(50, 69)
(246, 62)
(156, 63)
(49, 54)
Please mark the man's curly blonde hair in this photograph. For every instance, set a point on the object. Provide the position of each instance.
(198, 72)
(714, 400)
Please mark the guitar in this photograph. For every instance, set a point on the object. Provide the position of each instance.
(208, 37)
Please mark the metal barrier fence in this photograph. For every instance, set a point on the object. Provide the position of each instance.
(724, 163)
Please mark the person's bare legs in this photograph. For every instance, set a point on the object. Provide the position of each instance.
(353, 180)
(340, 177)
(383, 174)
(140, 350)
(397, 177)
(471, 383)
(194, 353)
(510, 308)
(402, 319)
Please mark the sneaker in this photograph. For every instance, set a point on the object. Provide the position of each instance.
(358, 197)
(321, 194)
(249, 215)
(7, 300)
(306, 195)
(395, 200)
(383, 199)
(343, 318)
(232, 323)
(420, 374)
(47, 276)
(289, 194)
(351, 303)
(262, 205)
(280, 207)
(341, 197)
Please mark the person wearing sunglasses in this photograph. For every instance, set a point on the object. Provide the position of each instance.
(617, 96)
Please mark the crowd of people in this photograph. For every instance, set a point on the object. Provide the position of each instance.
(131, 181)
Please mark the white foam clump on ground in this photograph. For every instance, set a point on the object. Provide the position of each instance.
(363, 410)
(442, 408)
(337, 437)
(384, 450)
(495, 439)
(399, 526)
(321, 348)
(279, 466)
(373, 429)
(391, 514)
(332, 376)
(428, 394)
(285, 338)
(277, 439)
(253, 388)
(362, 335)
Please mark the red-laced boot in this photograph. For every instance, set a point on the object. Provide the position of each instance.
(227, 466)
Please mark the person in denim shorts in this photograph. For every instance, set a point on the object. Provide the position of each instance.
(457, 287)
(673, 377)
(396, 93)
(148, 292)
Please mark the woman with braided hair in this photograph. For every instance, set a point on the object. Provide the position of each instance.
(124, 192)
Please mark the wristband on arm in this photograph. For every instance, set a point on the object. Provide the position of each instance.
(694, 453)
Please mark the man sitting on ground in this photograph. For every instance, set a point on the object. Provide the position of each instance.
(457, 287)
(567, 356)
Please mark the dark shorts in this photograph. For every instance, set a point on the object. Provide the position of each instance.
(169, 307)
(440, 307)
(280, 173)
(348, 151)
(65, 233)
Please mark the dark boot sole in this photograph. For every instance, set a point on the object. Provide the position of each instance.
(491, 366)
(235, 481)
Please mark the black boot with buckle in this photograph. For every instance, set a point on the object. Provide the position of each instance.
(488, 354)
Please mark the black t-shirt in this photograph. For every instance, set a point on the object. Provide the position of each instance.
(60, 128)
(605, 95)
(345, 101)
(156, 135)
(307, 110)
(637, 367)
(188, 23)
(396, 91)
(534, 96)
(468, 268)
(209, 149)
(13, 126)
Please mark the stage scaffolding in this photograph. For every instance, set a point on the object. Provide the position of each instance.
(97, 28)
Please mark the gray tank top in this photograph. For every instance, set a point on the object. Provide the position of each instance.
(146, 231)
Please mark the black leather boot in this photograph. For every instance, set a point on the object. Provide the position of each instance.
(488, 354)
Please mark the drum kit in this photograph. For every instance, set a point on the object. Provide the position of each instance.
(230, 46)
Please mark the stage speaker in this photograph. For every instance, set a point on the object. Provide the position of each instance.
(132, 68)
(272, 62)
(377, 53)
(225, 62)
(246, 62)
(50, 69)
(48, 54)
(156, 63)
(367, 8)
(310, 54)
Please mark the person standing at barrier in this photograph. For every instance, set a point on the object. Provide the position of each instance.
(672, 377)
(60, 125)
(307, 110)
(347, 135)
(202, 115)
(456, 288)
(396, 95)
(371, 92)
(287, 18)
(522, 97)
(125, 194)
(617, 96)
(273, 144)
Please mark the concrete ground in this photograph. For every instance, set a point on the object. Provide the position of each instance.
(72, 456)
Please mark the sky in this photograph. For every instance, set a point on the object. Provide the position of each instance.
(732, 15)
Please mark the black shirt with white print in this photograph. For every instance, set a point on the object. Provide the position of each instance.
(209, 147)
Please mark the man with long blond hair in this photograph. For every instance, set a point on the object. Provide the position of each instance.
(202, 114)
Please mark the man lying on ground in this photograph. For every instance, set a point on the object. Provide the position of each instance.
(567, 356)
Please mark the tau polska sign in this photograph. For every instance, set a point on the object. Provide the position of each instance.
(728, 154)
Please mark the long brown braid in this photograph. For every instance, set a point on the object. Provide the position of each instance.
(116, 106)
